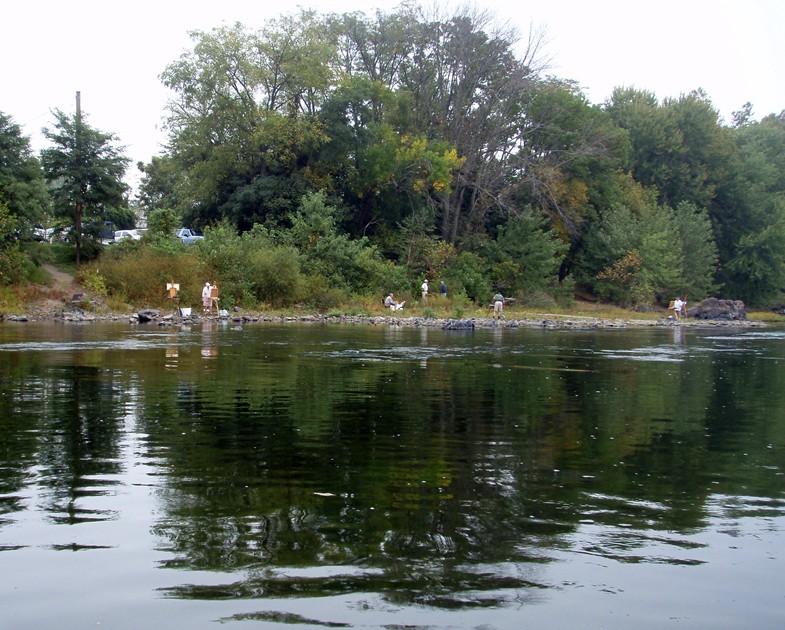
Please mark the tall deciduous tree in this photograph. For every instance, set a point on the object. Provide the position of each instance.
(243, 113)
(22, 185)
(84, 170)
(751, 227)
(678, 147)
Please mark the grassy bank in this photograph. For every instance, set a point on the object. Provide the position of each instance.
(125, 284)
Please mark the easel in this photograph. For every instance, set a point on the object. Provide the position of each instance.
(173, 291)
(214, 298)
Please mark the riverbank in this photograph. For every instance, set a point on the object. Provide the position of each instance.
(530, 320)
(68, 302)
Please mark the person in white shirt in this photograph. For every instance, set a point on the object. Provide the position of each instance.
(206, 297)
(424, 288)
(678, 305)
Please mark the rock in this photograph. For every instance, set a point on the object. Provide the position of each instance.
(459, 324)
(723, 310)
(147, 315)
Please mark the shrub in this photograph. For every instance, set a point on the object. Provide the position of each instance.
(538, 299)
(139, 275)
(564, 292)
(274, 275)
(94, 282)
(316, 293)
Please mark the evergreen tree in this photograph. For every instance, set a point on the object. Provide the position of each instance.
(84, 171)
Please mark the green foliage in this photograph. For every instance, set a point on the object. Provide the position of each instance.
(749, 218)
(138, 275)
(22, 184)
(759, 261)
(530, 254)
(274, 275)
(698, 251)
(468, 274)
(162, 224)
(84, 171)
(573, 151)
(668, 253)
(160, 183)
(564, 292)
(94, 282)
(162, 221)
(11, 257)
(316, 293)
(678, 147)
(661, 252)
(624, 281)
(350, 264)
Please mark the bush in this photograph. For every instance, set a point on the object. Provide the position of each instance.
(274, 275)
(538, 300)
(468, 276)
(139, 275)
(564, 292)
(317, 294)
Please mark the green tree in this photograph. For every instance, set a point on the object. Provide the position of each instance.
(243, 113)
(679, 148)
(467, 88)
(159, 185)
(84, 170)
(641, 245)
(698, 251)
(22, 185)
(11, 257)
(569, 157)
(749, 216)
(531, 254)
(352, 264)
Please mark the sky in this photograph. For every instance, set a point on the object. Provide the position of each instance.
(113, 53)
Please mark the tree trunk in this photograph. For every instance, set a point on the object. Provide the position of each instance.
(78, 228)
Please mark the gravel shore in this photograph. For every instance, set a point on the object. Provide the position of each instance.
(546, 321)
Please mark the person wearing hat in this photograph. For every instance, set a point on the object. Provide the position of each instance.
(424, 288)
(206, 297)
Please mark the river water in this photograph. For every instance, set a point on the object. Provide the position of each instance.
(311, 476)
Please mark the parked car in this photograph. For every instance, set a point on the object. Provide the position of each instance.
(120, 235)
(43, 234)
(188, 235)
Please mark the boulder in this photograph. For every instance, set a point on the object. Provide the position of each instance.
(459, 324)
(148, 315)
(723, 310)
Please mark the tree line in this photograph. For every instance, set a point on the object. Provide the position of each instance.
(376, 150)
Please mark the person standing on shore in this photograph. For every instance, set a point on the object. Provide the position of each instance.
(678, 305)
(424, 289)
(443, 289)
(498, 306)
(206, 298)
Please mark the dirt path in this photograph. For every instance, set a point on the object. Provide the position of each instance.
(52, 298)
(62, 281)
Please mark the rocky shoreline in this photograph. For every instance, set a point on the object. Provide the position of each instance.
(546, 321)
